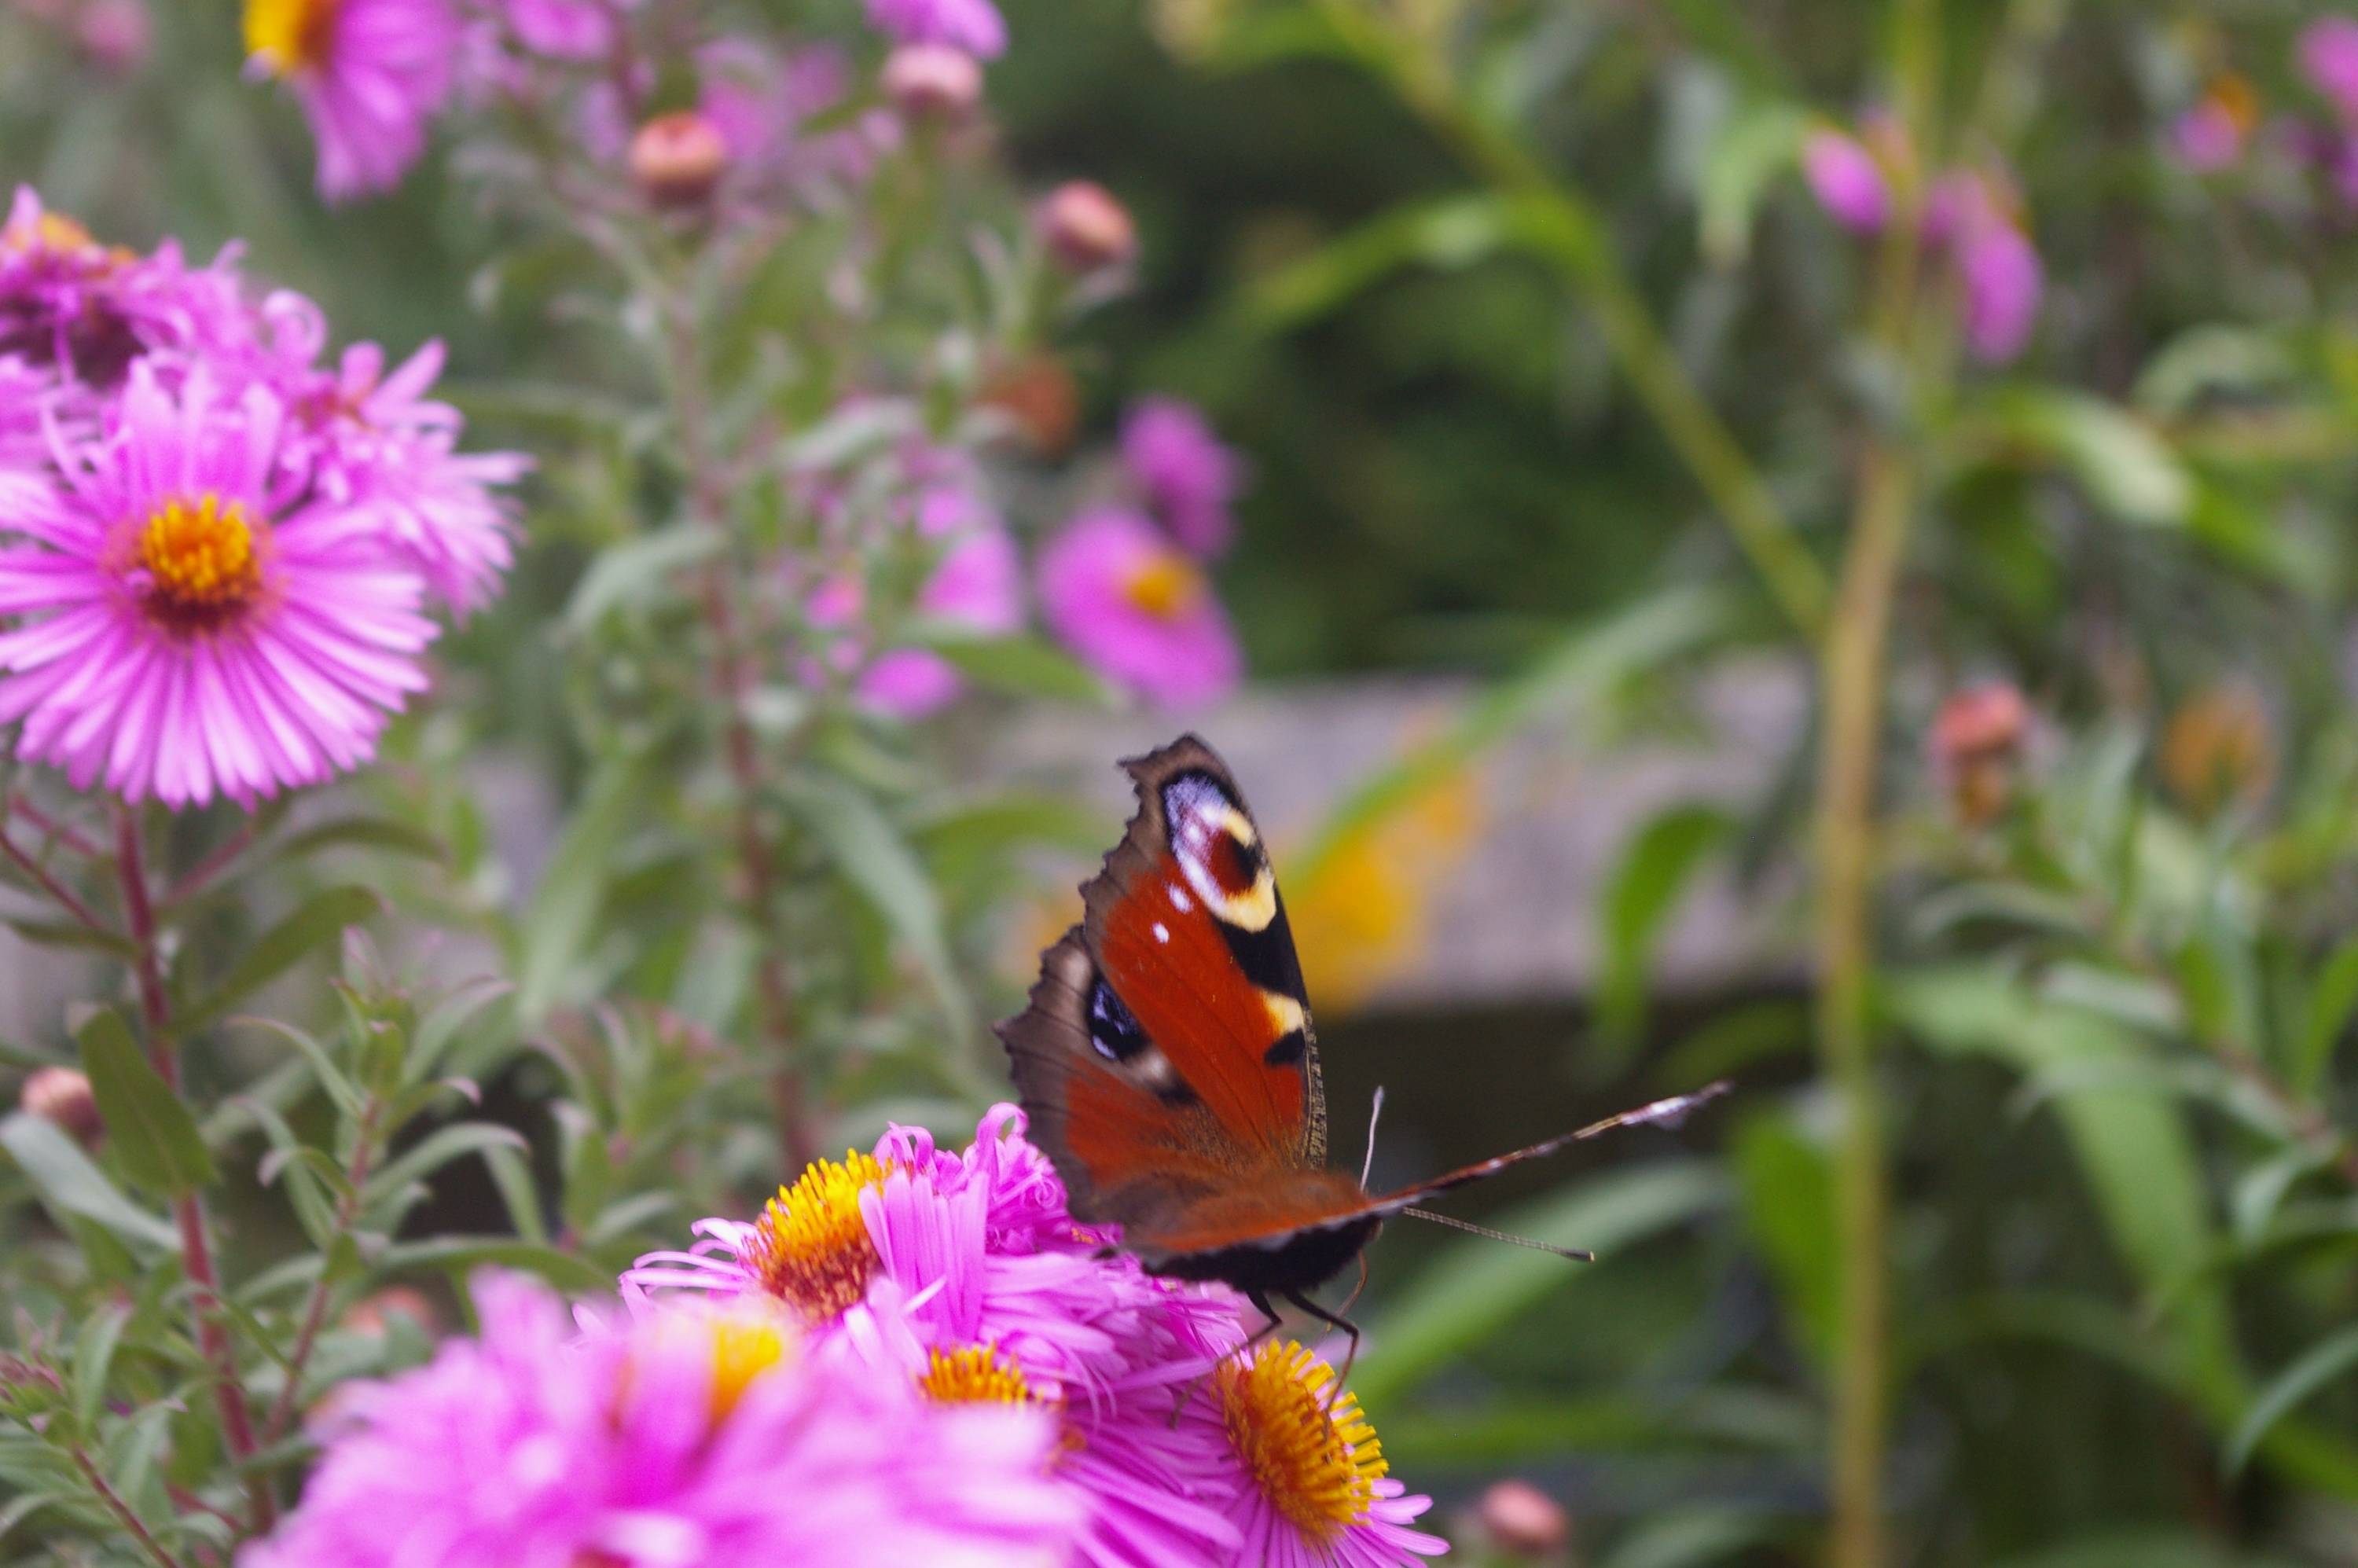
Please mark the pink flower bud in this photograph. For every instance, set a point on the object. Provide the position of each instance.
(933, 82)
(677, 159)
(114, 34)
(1975, 742)
(62, 1095)
(1086, 229)
(1520, 1520)
(1848, 182)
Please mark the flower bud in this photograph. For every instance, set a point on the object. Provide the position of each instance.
(2219, 750)
(1522, 1521)
(1086, 229)
(114, 34)
(62, 1095)
(1037, 394)
(372, 1312)
(677, 159)
(1976, 739)
(933, 82)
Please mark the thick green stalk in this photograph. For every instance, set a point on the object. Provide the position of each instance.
(1851, 671)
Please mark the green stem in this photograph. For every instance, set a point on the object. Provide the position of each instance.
(1852, 667)
(1558, 223)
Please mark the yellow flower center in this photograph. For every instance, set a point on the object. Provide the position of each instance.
(1316, 1462)
(742, 1349)
(290, 35)
(201, 560)
(975, 1375)
(1166, 586)
(810, 1247)
(50, 232)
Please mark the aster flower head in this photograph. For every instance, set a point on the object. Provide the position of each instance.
(1318, 1492)
(369, 73)
(974, 27)
(2328, 59)
(2212, 135)
(2003, 278)
(1190, 480)
(1846, 179)
(1136, 606)
(693, 1436)
(185, 624)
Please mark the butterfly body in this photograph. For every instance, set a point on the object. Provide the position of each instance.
(1168, 1064)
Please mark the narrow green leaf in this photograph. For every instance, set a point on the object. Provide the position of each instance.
(636, 568)
(2126, 467)
(73, 933)
(319, 922)
(55, 1164)
(331, 1078)
(2321, 1364)
(849, 829)
(1021, 665)
(152, 1131)
(1640, 895)
(93, 1359)
(367, 833)
(565, 906)
(460, 1254)
(519, 1194)
(2330, 1000)
(438, 1149)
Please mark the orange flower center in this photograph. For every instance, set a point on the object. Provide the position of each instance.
(290, 35)
(976, 1374)
(1317, 1462)
(810, 1247)
(1164, 586)
(201, 560)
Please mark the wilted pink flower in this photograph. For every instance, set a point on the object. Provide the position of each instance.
(690, 1436)
(370, 74)
(1848, 182)
(1125, 598)
(974, 25)
(1188, 477)
(2329, 57)
(678, 157)
(185, 624)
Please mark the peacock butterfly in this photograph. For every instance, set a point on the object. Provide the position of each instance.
(1168, 1066)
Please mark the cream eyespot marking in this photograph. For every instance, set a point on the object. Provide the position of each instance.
(1285, 1014)
(1219, 853)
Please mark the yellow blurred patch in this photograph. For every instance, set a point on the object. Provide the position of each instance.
(1364, 912)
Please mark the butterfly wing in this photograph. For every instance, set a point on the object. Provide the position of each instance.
(1167, 1059)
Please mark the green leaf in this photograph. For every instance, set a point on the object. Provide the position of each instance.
(152, 1132)
(1786, 1187)
(1752, 150)
(2330, 1000)
(331, 1078)
(56, 1164)
(1639, 896)
(438, 1149)
(565, 906)
(367, 833)
(319, 922)
(847, 826)
(74, 934)
(2321, 1364)
(636, 568)
(1021, 665)
(1474, 1288)
(93, 1359)
(460, 1254)
(2124, 467)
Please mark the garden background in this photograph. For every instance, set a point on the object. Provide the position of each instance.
(1801, 542)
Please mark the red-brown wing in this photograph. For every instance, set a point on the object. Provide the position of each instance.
(1168, 1054)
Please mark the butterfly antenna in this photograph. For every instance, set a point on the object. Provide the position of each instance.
(1577, 1255)
(1375, 1114)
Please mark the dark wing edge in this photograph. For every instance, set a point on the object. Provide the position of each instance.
(1047, 1047)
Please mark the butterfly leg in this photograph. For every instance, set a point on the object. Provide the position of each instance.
(1269, 1325)
(1333, 1320)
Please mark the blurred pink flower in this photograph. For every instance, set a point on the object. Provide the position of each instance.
(114, 34)
(187, 625)
(1114, 588)
(2328, 59)
(1846, 179)
(2003, 277)
(927, 82)
(978, 585)
(563, 29)
(369, 73)
(690, 1436)
(1189, 477)
(974, 25)
(2212, 135)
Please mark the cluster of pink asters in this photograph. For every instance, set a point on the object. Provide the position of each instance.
(2220, 132)
(961, 1276)
(1971, 217)
(373, 75)
(216, 550)
(1124, 583)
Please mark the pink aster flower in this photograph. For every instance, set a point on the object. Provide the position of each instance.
(1189, 477)
(974, 25)
(2212, 135)
(1133, 604)
(370, 74)
(563, 29)
(689, 1437)
(978, 585)
(2003, 277)
(1317, 1491)
(23, 392)
(2328, 59)
(1846, 179)
(185, 626)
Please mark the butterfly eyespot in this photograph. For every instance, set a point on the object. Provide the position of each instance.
(1113, 1030)
(1220, 852)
